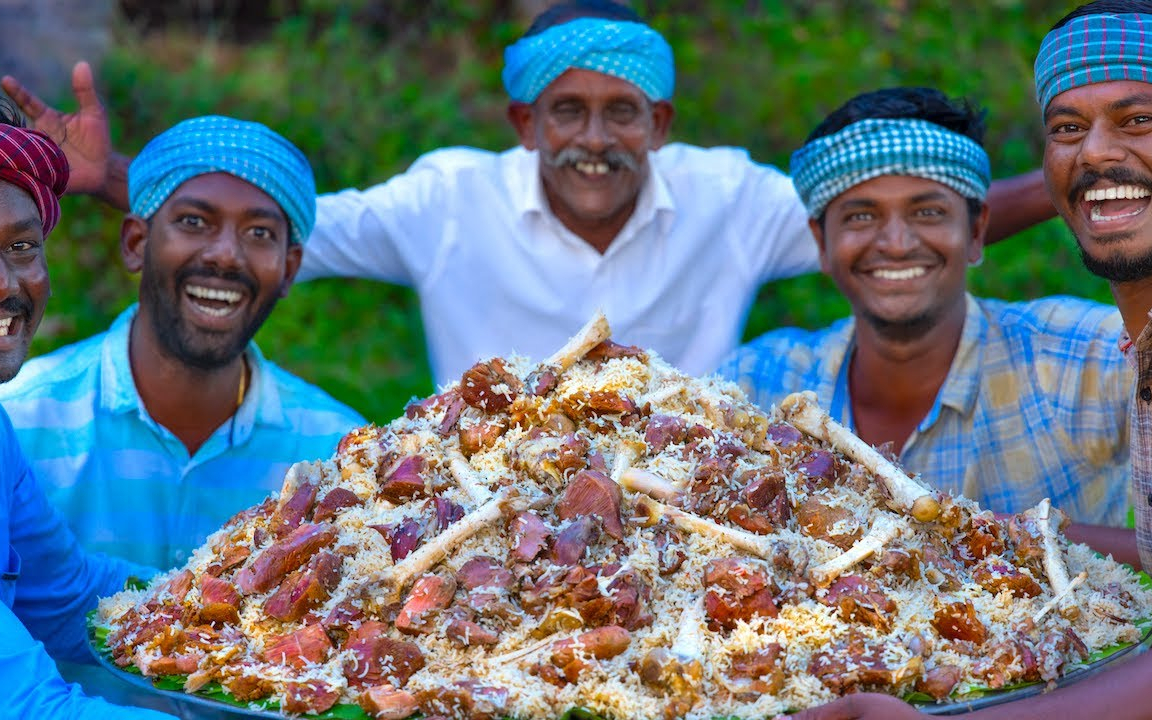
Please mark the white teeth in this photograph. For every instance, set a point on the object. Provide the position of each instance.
(905, 274)
(5, 325)
(591, 168)
(1096, 214)
(228, 296)
(1122, 192)
(214, 312)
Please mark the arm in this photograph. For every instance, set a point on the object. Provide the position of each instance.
(83, 135)
(35, 690)
(1120, 693)
(1016, 204)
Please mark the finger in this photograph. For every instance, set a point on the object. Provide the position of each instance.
(28, 103)
(84, 87)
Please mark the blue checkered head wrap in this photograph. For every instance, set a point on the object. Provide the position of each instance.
(1094, 49)
(827, 166)
(213, 143)
(627, 50)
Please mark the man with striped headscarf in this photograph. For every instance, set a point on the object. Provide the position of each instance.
(47, 583)
(1005, 403)
(1094, 84)
(514, 251)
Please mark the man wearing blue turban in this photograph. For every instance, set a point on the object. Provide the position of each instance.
(150, 436)
(1094, 84)
(1004, 403)
(514, 251)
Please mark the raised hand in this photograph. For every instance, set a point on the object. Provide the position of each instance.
(83, 134)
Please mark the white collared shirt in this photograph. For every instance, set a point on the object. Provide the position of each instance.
(497, 273)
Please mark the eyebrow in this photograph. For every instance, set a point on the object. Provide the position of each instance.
(257, 212)
(1122, 104)
(870, 203)
(20, 226)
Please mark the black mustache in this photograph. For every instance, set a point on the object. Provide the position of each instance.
(245, 280)
(1118, 175)
(16, 306)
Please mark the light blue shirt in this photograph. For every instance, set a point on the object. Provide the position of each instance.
(47, 586)
(125, 483)
(1035, 404)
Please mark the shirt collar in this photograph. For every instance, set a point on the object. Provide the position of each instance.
(118, 392)
(655, 201)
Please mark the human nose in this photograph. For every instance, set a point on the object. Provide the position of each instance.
(895, 237)
(224, 250)
(1100, 147)
(595, 135)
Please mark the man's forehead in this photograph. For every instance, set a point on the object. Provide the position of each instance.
(579, 82)
(220, 189)
(1103, 96)
(17, 208)
(900, 188)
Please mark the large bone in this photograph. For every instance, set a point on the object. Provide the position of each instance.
(883, 531)
(739, 539)
(1058, 600)
(906, 494)
(592, 334)
(393, 580)
(467, 478)
(650, 484)
(1054, 565)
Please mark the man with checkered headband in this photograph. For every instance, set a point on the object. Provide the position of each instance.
(1094, 84)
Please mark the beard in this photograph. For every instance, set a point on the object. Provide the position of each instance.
(903, 330)
(182, 341)
(1116, 267)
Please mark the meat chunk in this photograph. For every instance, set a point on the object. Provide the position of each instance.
(310, 696)
(270, 566)
(765, 491)
(837, 525)
(573, 540)
(571, 655)
(385, 702)
(958, 621)
(490, 386)
(465, 700)
(664, 430)
(529, 536)
(861, 601)
(219, 601)
(608, 350)
(305, 589)
(377, 659)
(291, 513)
(333, 502)
(940, 681)
(310, 644)
(668, 543)
(404, 480)
(736, 590)
(484, 572)
(981, 539)
(996, 576)
(761, 668)
(428, 595)
(468, 633)
(480, 435)
(405, 537)
(593, 493)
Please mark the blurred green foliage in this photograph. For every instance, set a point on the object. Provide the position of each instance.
(364, 88)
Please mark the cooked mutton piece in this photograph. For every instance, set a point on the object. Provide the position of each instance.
(297, 493)
(465, 700)
(884, 530)
(905, 494)
(385, 702)
(308, 697)
(219, 601)
(429, 595)
(594, 332)
(307, 645)
(739, 539)
(403, 480)
(393, 580)
(467, 478)
(490, 386)
(678, 673)
(735, 590)
(529, 536)
(1054, 565)
(333, 502)
(373, 658)
(593, 493)
(284, 556)
(600, 643)
(859, 599)
(650, 484)
(306, 588)
(958, 621)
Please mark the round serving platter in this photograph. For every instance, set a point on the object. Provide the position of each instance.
(220, 706)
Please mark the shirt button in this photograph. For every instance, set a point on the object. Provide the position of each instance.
(1146, 394)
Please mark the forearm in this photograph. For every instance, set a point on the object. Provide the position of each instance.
(1016, 204)
(1120, 543)
(115, 190)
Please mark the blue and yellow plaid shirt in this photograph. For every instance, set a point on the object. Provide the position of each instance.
(1035, 404)
(125, 483)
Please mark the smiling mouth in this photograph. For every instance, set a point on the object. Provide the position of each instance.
(903, 274)
(1115, 203)
(6, 326)
(211, 301)
(593, 168)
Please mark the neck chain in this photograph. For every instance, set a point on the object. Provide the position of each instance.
(243, 382)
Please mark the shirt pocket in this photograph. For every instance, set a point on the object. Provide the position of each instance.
(9, 576)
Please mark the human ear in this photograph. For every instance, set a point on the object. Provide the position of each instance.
(817, 229)
(522, 118)
(133, 240)
(662, 114)
(291, 267)
(979, 232)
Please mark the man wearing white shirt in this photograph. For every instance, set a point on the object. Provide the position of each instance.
(513, 251)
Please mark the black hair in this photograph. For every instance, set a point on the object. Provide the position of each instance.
(909, 103)
(1107, 7)
(9, 114)
(573, 9)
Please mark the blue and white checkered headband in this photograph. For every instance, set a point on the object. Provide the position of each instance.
(1094, 49)
(627, 50)
(828, 166)
(214, 143)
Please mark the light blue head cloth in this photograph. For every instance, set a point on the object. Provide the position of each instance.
(1094, 49)
(627, 50)
(214, 143)
(827, 166)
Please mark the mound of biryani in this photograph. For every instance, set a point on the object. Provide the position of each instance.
(601, 531)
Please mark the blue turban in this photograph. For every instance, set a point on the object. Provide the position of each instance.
(627, 50)
(213, 143)
(1094, 49)
(830, 165)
